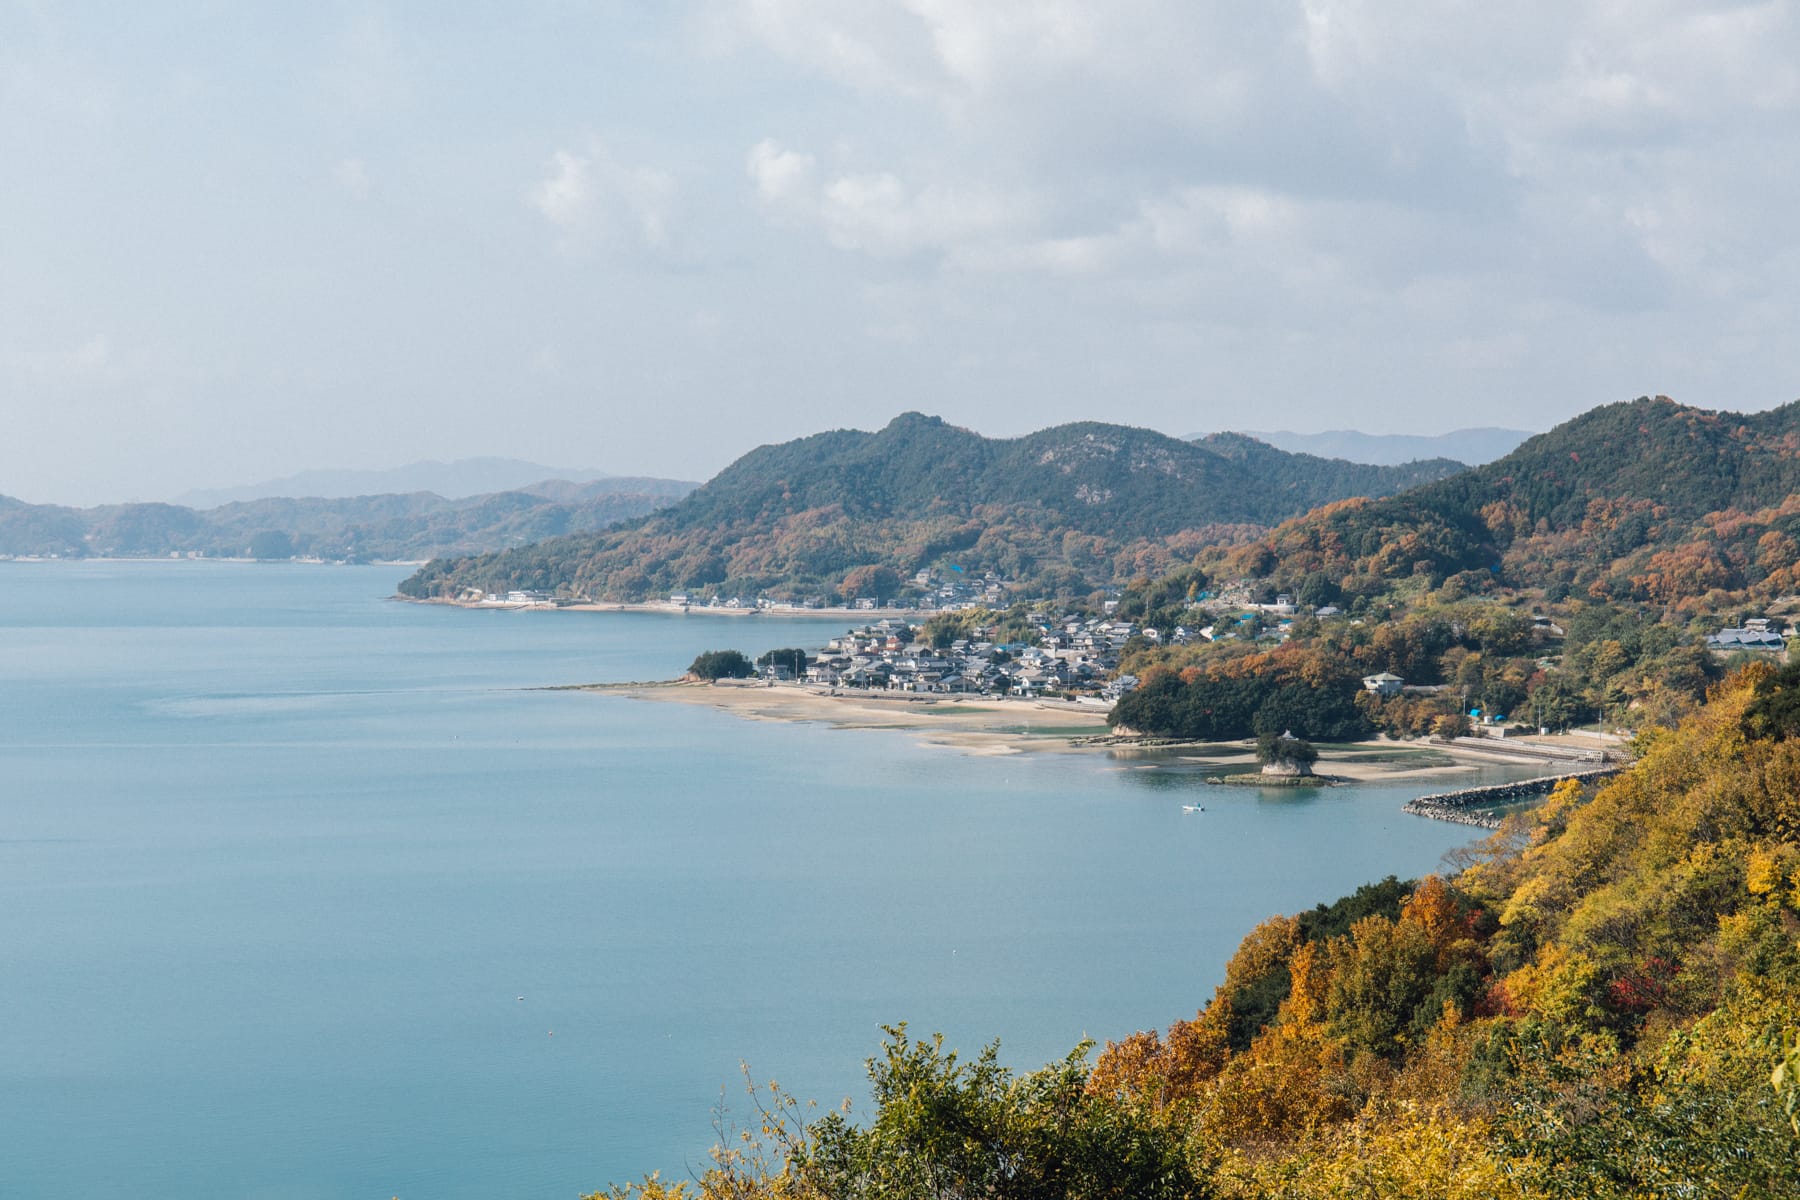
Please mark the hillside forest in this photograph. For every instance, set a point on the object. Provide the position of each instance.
(1571, 581)
(1058, 513)
(1507, 655)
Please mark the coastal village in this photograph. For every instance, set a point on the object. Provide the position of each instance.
(1070, 653)
(1071, 656)
(1076, 653)
(1064, 651)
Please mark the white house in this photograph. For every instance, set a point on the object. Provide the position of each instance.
(1384, 684)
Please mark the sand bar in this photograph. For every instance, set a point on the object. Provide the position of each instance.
(974, 725)
(988, 725)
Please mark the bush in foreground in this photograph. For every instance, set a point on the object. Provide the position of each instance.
(947, 1127)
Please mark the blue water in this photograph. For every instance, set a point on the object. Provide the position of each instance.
(279, 857)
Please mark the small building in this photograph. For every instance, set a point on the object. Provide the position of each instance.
(1729, 641)
(1384, 684)
(1119, 687)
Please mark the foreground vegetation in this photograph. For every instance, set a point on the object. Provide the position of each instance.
(1602, 1002)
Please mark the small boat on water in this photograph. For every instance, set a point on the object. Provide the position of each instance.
(1193, 808)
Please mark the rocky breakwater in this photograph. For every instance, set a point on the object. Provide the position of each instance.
(1465, 805)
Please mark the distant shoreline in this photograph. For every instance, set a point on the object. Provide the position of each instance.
(213, 558)
(664, 607)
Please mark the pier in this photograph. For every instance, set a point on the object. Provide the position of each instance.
(1463, 805)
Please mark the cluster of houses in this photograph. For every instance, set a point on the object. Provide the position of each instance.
(1069, 655)
(517, 598)
(958, 589)
(1757, 635)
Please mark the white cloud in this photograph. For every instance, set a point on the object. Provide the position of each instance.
(878, 213)
(783, 178)
(881, 215)
(1614, 154)
(566, 196)
(592, 198)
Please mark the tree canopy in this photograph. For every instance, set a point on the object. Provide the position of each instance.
(791, 658)
(721, 664)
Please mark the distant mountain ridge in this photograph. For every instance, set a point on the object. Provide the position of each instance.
(1068, 509)
(410, 527)
(1471, 446)
(456, 480)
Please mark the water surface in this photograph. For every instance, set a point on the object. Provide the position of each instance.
(302, 896)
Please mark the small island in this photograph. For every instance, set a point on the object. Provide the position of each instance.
(1287, 761)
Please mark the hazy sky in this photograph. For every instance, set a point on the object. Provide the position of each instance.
(238, 240)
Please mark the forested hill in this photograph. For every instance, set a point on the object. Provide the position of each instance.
(1646, 500)
(1110, 480)
(1685, 461)
(412, 526)
(1065, 509)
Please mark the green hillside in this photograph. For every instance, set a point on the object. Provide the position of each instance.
(1064, 510)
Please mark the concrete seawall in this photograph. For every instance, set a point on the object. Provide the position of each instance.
(1463, 805)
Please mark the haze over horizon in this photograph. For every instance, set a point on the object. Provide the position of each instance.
(646, 241)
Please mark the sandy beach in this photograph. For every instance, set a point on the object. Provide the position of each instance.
(997, 725)
(974, 725)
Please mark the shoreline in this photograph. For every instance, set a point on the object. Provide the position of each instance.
(679, 610)
(981, 725)
(30, 559)
(991, 726)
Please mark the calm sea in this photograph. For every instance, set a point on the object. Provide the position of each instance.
(301, 895)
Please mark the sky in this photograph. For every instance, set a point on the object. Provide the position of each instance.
(239, 241)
